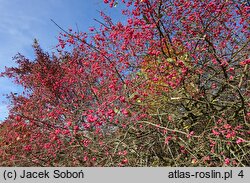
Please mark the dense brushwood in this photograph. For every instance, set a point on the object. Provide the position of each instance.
(170, 87)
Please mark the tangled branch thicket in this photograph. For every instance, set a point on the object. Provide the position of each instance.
(168, 88)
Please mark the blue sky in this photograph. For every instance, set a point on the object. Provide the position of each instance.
(22, 21)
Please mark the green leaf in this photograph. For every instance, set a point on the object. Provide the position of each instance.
(115, 4)
(170, 60)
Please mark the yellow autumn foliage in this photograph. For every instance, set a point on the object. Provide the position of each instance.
(160, 76)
